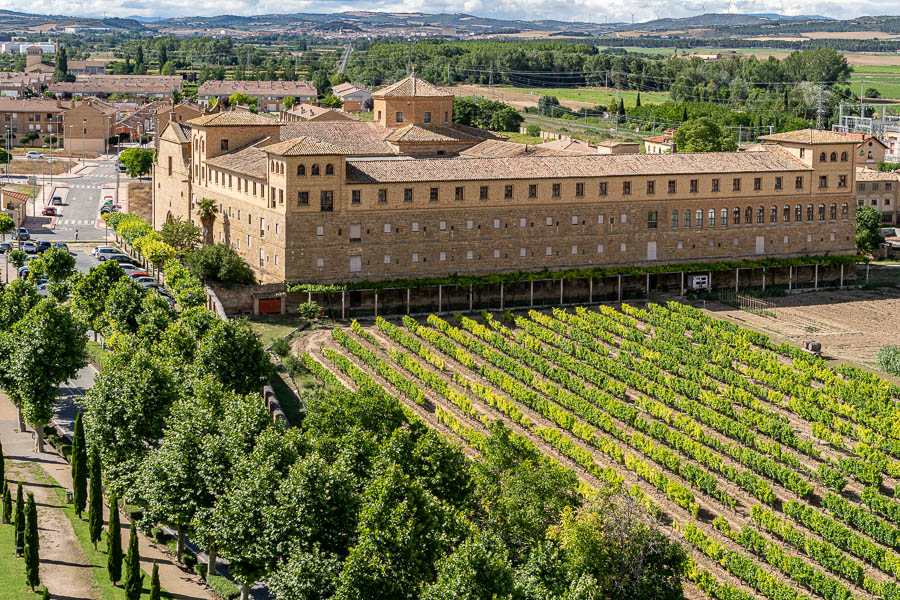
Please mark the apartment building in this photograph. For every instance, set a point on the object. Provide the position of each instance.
(329, 202)
(40, 116)
(21, 85)
(183, 111)
(311, 112)
(353, 97)
(88, 127)
(102, 86)
(881, 191)
(269, 94)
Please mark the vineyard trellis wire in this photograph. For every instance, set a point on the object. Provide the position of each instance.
(765, 308)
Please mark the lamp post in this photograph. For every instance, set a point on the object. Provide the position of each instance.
(83, 127)
(69, 137)
(6, 138)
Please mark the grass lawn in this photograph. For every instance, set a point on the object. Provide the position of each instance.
(270, 328)
(23, 188)
(96, 352)
(885, 82)
(12, 569)
(96, 558)
(522, 138)
(593, 95)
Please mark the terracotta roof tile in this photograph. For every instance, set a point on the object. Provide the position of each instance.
(14, 194)
(357, 138)
(120, 84)
(231, 118)
(501, 148)
(868, 175)
(545, 167)
(251, 160)
(411, 87)
(31, 105)
(431, 133)
(304, 146)
(256, 88)
(807, 136)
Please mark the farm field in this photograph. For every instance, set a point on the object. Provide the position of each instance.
(521, 97)
(776, 470)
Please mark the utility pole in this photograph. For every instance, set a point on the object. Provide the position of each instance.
(448, 73)
(820, 107)
(862, 110)
(491, 78)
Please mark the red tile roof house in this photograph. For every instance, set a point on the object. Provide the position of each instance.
(270, 94)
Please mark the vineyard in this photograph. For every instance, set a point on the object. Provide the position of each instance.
(777, 471)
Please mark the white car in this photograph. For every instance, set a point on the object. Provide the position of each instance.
(33, 155)
(129, 268)
(100, 251)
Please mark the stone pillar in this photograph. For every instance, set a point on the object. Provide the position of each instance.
(501, 295)
(737, 277)
(764, 279)
(590, 289)
(868, 265)
(842, 275)
(620, 288)
(682, 284)
(343, 304)
(816, 284)
(309, 297)
(408, 294)
(440, 298)
(648, 284)
(790, 277)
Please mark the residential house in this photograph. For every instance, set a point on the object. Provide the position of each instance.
(88, 127)
(354, 98)
(880, 190)
(660, 144)
(311, 112)
(270, 95)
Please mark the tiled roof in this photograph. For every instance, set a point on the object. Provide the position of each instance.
(807, 136)
(411, 87)
(304, 146)
(860, 137)
(870, 175)
(543, 167)
(256, 88)
(431, 133)
(614, 143)
(231, 118)
(31, 105)
(120, 84)
(14, 194)
(661, 139)
(500, 148)
(357, 138)
(571, 145)
(251, 160)
(310, 111)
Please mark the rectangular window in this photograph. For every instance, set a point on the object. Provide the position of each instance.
(387, 259)
(652, 217)
(626, 188)
(823, 181)
(624, 218)
(355, 197)
(382, 196)
(549, 251)
(574, 219)
(442, 225)
(798, 181)
(443, 257)
(433, 195)
(355, 233)
(398, 118)
(483, 192)
(602, 188)
(623, 247)
(387, 227)
(407, 195)
(508, 192)
(778, 183)
(427, 117)
(574, 249)
(736, 184)
(470, 224)
(522, 222)
(415, 257)
(459, 193)
(496, 223)
(415, 227)
(695, 186)
(327, 201)
(355, 264)
(672, 186)
(842, 182)
(599, 248)
(320, 230)
(224, 145)
(549, 221)
(651, 187)
(556, 190)
(579, 190)
(715, 185)
(469, 255)
(532, 190)
(302, 198)
(496, 253)
(599, 219)
(860, 187)
(757, 184)
(522, 252)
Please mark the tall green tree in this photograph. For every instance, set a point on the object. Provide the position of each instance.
(79, 467)
(478, 570)
(154, 582)
(703, 135)
(637, 102)
(20, 521)
(95, 505)
(90, 294)
(207, 210)
(139, 67)
(162, 56)
(49, 348)
(868, 223)
(7, 503)
(134, 579)
(16, 300)
(61, 71)
(137, 161)
(180, 233)
(32, 545)
(114, 543)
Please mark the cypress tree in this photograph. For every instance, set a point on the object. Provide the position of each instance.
(621, 108)
(154, 583)
(2, 464)
(7, 504)
(20, 521)
(134, 579)
(114, 543)
(32, 543)
(95, 509)
(684, 115)
(637, 103)
(46, 595)
(79, 468)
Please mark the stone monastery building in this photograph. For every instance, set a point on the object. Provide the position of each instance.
(413, 194)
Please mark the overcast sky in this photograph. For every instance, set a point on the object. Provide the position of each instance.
(597, 11)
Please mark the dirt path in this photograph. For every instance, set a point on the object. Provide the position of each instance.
(65, 569)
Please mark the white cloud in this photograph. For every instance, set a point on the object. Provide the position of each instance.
(564, 10)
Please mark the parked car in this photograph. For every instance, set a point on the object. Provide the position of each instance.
(29, 247)
(106, 253)
(144, 280)
(121, 167)
(122, 259)
(49, 211)
(5, 247)
(22, 234)
(42, 289)
(134, 274)
(110, 250)
(56, 200)
(33, 155)
(43, 246)
(61, 245)
(23, 271)
(129, 269)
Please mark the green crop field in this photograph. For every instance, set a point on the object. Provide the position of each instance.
(591, 95)
(774, 468)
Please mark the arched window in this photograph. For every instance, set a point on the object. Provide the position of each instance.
(845, 211)
(329, 169)
(760, 215)
(870, 155)
(748, 215)
(834, 157)
(688, 215)
(737, 215)
(798, 213)
(711, 217)
(832, 212)
(699, 217)
(773, 214)
(821, 212)
(822, 157)
(723, 217)
(786, 216)
(843, 157)
(202, 145)
(301, 170)
(675, 219)
(809, 212)
(314, 170)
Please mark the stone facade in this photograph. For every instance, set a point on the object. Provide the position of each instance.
(881, 191)
(88, 126)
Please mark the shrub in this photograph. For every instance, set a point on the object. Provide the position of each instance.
(533, 130)
(223, 587)
(292, 364)
(309, 310)
(281, 347)
(889, 359)
(219, 262)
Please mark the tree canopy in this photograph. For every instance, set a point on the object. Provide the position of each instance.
(703, 135)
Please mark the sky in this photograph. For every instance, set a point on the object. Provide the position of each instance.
(597, 11)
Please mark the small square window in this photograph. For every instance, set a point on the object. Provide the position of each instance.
(522, 252)
(443, 257)
(549, 251)
(387, 259)
(320, 262)
(574, 249)
(469, 255)
(496, 253)
(387, 227)
(680, 246)
(470, 224)
(415, 257)
(496, 223)
(320, 230)
(549, 221)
